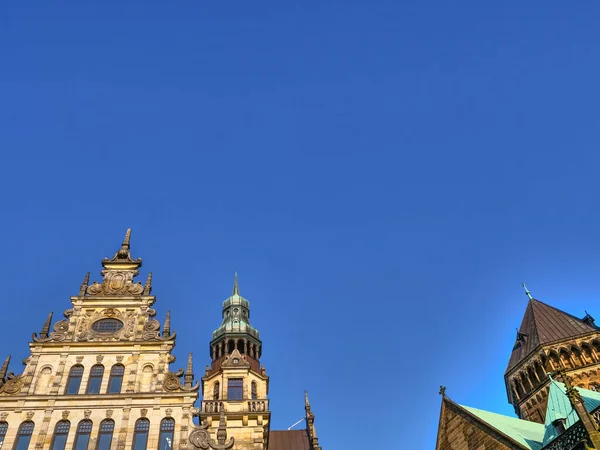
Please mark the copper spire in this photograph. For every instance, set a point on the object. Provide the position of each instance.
(84, 285)
(236, 287)
(188, 377)
(527, 293)
(148, 286)
(167, 328)
(46, 328)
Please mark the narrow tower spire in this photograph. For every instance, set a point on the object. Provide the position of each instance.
(188, 377)
(4, 369)
(310, 424)
(236, 287)
(46, 328)
(527, 293)
(84, 285)
(148, 286)
(167, 328)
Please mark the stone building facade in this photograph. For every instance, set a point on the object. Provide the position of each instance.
(100, 378)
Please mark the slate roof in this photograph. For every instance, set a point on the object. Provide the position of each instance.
(288, 440)
(543, 324)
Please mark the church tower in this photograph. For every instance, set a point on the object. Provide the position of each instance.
(235, 386)
(549, 340)
(99, 378)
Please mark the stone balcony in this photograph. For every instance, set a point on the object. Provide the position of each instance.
(234, 406)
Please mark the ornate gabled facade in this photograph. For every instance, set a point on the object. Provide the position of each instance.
(100, 378)
(552, 415)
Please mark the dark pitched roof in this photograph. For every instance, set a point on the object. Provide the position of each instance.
(288, 440)
(543, 324)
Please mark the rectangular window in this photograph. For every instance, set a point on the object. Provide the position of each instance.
(234, 389)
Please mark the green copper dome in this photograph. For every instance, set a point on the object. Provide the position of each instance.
(236, 315)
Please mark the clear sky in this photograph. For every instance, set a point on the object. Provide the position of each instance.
(383, 175)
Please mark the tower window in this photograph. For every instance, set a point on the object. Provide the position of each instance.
(254, 390)
(235, 389)
(216, 391)
(167, 430)
(107, 325)
(82, 438)
(61, 432)
(140, 436)
(559, 425)
(95, 379)
(116, 379)
(24, 436)
(3, 429)
(105, 435)
(74, 380)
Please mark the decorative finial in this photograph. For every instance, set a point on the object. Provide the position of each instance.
(148, 286)
(4, 368)
(222, 435)
(84, 285)
(46, 328)
(127, 239)
(236, 287)
(306, 402)
(527, 293)
(442, 391)
(167, 328)
(188, 377)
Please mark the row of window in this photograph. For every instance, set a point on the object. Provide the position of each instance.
(95, 380)
(84, 432)
(235, 389)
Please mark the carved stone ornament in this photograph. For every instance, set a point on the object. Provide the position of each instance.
(29, 415)
(65, 415)
(3, 416)
(87, 413)
(116, 282)
(79, 359)
(172, 382)
(235, 359)
(60, 330)
(168, 412)
(99, 358)
(13, 385)
(85, 331)
(143, 412)
(119, 358)
(200, 438)
(109, 413)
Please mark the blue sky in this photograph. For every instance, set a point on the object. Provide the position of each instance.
(383, 176)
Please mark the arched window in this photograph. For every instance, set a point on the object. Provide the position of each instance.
(140, 436)
(61, 433)
(74, 380)
(105, 435)
(216, 391)
(254, 390)
(3, 429)
(95, 379)
(82, 438)
(116, 379)
(167, 430)
(24, 435)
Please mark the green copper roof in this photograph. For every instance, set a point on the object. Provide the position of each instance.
(236, 315)
(528, 434)
(559, 407)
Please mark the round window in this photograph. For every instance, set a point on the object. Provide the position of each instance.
(107, 325)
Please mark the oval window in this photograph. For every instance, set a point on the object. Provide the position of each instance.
(107, 325)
